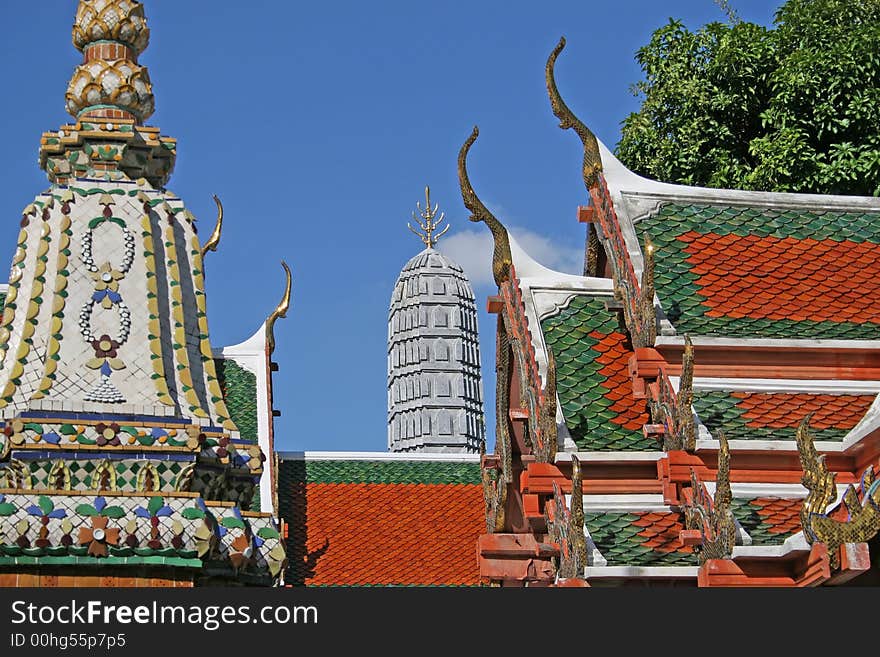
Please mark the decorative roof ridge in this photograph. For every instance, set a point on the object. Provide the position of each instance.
(378, 456)
(529, 268)
(791, 547)
(868, 425)
(778, 446)
(641, 571)
(773, 343)
(621, 180)
(588, 456)
(785, 386)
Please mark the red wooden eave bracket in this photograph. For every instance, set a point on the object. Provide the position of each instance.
(585, 214)
(515, 558)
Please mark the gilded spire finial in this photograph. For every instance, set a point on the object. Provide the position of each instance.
(429, 225)
(110, 83)
(280, 310)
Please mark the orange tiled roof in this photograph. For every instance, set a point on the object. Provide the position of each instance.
(758, 271)
(746, 415)
(639, 538)
(778, 410)
(781, 515)
(614, 357)
(786, 278)
(768, 520)
(661, 531)
(404, 534)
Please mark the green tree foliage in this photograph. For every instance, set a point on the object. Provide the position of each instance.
(736, 105)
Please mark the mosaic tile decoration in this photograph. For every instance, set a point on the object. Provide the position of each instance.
(68, 527)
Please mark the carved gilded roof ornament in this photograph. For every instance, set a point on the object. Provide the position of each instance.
(565, 526)
(675, 411)
(712, 518)
(862, 505)
(579, 541)
(497, 469)
(591, 266)
(280, 311)
(684, 413)
(214, 239)
(502, 260)
(647, 313)
(592, 165)
(427, 223)
(545, 448)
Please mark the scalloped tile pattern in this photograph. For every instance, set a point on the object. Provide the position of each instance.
(776, 416)
(761, 272)
(593, 386)
(640, 538)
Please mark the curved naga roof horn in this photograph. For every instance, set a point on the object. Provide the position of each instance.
(280, 311)
(567, 119)
(214, 239)
(502, 260)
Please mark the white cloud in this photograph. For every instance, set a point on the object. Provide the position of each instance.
(472, 249)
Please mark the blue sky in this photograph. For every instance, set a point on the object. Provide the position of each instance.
(319, 125)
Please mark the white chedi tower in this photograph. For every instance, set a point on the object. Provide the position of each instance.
(435, 392)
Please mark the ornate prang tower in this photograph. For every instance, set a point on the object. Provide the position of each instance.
(118, 449)
(435, 393)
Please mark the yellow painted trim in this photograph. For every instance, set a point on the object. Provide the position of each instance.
(154, 327)
(180, 353)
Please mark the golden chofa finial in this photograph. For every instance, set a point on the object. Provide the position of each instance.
(214, 240)
(592, 164)
(280, 310)
(429, 225)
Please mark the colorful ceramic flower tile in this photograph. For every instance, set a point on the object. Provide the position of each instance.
(594, 388)
(776, 415)
(773, 273)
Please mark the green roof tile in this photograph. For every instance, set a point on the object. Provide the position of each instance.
(623, 543)
(239, 388)
(573, 335)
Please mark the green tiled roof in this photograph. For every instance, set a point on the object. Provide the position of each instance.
(618, 539)
(676, 283)
(380, 472)
(584, 398)
(239, 388)
(718, 410)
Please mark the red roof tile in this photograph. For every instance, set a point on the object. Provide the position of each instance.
(614, 358)
(661, 529)
(780, 410)
(362, 534)
(782, 515)
(786, 278)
